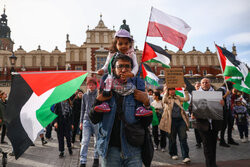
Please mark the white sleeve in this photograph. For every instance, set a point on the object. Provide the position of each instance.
(136, 67)
(105, 67)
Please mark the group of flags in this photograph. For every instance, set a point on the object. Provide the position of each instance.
(172, 30)
(33, 93)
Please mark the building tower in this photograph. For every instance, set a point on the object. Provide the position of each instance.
(5, 41)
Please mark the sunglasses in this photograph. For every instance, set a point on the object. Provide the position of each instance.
(120, 66)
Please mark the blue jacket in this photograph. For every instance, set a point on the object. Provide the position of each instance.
(106, 121)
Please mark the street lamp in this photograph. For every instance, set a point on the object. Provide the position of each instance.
(12, 59)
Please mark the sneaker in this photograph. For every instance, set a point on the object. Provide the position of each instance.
(61, 154)
(44, 142)
(224, 144)
(96, 163)
(246, 139)
(232, 142)
(104, 107)
(141, 111)
(175, 157)
(70, 151)
(4, 142)
(163, 149)
(156, 147)
(186, 160)
(242, 140)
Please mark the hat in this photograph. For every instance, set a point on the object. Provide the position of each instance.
(123, 33)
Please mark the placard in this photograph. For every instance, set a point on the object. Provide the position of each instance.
(174, 77)
(206, 105)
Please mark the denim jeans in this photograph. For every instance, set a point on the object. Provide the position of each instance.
(87, 130)
(115, 158)
(178, 127)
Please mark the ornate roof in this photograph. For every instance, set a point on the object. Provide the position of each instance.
(4, 29)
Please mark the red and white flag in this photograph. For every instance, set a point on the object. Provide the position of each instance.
(172, 29)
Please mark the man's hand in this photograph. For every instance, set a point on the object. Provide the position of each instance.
(129, 75)
(56, 125)
(100, 72)
(80, 126)
(100, 97)
(222, 102)
(142, 97)
(72, 126)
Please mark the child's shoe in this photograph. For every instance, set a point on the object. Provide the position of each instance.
(104, 107)
(141, 112)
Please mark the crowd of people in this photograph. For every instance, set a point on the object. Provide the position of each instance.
(119, 114)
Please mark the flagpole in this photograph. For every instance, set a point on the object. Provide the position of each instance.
(221, 66)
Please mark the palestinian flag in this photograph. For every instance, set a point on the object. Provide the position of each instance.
(31, 97)
(155, 54)
(170, 28)
(180, 92)
(155, 120)
(234, 70)
(148, 75)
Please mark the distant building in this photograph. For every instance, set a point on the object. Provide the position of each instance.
(91, 55)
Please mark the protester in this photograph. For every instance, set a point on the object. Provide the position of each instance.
(175, 121)
(241, 115)
(49, 126)
(63, 125)
(226, 109)
(113, 144)
(157, 104)
(235, 94)
(208, 129)
(150, 95)
(87, 127)
(3, 104)
(123, 43)
(76, 109)
(196, 133)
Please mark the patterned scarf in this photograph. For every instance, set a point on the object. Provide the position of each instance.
(123, 88)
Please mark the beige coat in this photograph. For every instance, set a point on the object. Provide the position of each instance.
(168, 102)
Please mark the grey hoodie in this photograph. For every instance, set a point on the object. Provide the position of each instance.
(88, 100)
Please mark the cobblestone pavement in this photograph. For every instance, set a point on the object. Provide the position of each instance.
(47, 156)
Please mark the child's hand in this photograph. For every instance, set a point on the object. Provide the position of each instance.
(100, 97)
(100, 72)
(129, 75)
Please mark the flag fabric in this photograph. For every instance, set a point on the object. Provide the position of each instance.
(31, 97)
(155, 54)
(170, 28)
(180, 92)
(234, 70)
(155, 120)
(148, 75)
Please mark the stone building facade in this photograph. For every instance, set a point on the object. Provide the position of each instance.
(91, 56)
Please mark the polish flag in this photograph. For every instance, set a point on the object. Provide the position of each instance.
(172, 29)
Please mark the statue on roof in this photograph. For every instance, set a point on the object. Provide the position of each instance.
(125, 26)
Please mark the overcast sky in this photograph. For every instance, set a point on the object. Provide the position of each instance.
(46, 22)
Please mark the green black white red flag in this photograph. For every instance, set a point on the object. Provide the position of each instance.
(234, 70)
(148, 75)
(155, 54)
(31, 97)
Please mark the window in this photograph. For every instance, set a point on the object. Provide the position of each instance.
(204, 72)
(162, 72)
(78, 68)
(190, 72)
(100, 61)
